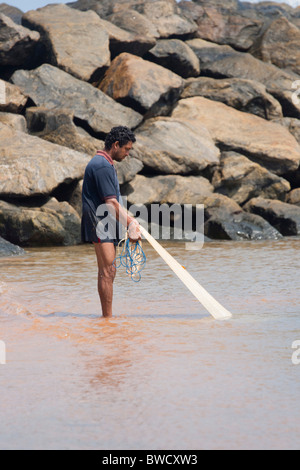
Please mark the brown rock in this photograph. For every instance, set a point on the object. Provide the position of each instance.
(266, 143)
(224, 25)
(166, 17)
(79, 46)
(134, 22)
(245, 95)
(168, 189)
(14, 121)
(279, 45)
(241, 180)
(146, 87)
(294, 197)
(12, 100)
(162, 148)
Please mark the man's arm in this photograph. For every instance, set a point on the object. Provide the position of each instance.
(124, 218)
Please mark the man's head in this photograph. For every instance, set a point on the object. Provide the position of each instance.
(119, 142)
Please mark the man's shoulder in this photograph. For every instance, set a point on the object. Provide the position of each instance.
(98, 162)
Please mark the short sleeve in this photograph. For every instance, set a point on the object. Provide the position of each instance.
(105, 182)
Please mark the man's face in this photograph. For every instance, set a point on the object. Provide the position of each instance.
(120, 153)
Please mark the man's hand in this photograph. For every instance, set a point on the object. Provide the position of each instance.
(134, 231)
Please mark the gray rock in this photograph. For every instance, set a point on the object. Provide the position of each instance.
(53, 88)
(57, 126)
(18, 45)
(242, 226)
(225, 62)
(284, 217)
(52, 224)
(9, 249)
(30, 166)
(127, 169)
(225, 220)
(121, 40)
(241, 180)
(13, 13)
(176, 56)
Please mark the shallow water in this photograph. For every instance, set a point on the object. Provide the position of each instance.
(162, 373)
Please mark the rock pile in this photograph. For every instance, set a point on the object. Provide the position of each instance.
(211, 89)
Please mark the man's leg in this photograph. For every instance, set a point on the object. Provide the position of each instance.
(106, 253)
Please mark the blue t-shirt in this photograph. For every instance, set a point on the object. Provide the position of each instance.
(100, 184)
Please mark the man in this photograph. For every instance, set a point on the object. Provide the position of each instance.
(100, 195)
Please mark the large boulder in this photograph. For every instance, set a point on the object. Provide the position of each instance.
(225, 220)
(224, 62)
(224, 24)
(163, 149)
(18, 45)
(57, 126)
(104, 8)
(167, 189)
(54, 223)
(12, 100)
(241, 180)
(294, 197)
(122, 40)
(279, 45)
(245, 95)
(135, 23)
(13, 13)
(30, 166)
(284, 217)
(9, 249)
(167, 18)
(15, 121)
(176, 56)
(53, 88)
(80, 45)
(292, 124)
(148, 88)
(266, 143)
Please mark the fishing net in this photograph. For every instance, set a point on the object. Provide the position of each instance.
(131, 256)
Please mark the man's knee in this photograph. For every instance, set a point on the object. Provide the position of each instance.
(107, 273)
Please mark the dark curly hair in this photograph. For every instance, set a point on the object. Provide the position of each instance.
(120, 134)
